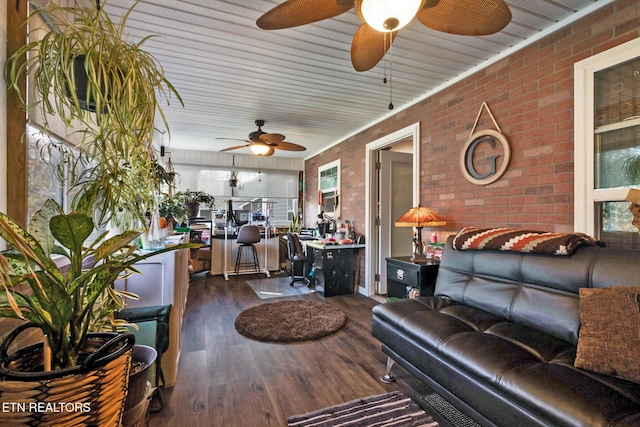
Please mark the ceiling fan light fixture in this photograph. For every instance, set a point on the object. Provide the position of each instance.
(389, 15)
(260, 148)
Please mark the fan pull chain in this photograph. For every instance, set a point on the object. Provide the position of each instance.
(390, 73)
(384, 47)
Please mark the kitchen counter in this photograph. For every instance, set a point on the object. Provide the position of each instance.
(233, 236)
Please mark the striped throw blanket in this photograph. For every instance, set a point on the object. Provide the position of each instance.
(509, 239)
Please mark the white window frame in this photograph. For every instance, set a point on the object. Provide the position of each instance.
(585, 196)
(335, 190)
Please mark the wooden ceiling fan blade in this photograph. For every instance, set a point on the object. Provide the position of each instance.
(289, 146)
(466, 17)
(369, 46)
(235, 148)
(293, 13)
(235, 139)
(272, 138)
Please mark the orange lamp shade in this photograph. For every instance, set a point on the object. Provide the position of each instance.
(420, 216)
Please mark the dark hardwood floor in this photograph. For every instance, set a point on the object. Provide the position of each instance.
(225, 379)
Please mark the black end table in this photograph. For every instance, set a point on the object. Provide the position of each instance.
(404, 274)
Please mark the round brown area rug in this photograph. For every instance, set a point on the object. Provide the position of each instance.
(289, 321)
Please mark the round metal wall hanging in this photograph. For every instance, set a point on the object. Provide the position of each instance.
(481, 155)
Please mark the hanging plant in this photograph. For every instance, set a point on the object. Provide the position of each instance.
(87, 74)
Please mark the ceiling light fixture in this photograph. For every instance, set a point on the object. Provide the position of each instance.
(261, 149)
(389, 15)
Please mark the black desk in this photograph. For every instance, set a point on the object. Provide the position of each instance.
(403, 274)
(334, 267)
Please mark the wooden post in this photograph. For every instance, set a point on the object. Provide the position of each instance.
(16, 120)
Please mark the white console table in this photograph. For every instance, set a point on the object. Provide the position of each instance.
(164, 280)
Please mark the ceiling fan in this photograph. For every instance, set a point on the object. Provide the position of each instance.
(265, 144)
(381, 17)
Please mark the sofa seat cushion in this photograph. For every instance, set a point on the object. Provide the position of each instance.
(532, 368)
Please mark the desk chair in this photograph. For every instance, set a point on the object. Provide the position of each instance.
(160, 314)
(248, 236)
(300, 263)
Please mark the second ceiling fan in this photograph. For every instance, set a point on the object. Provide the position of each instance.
(265, 144)
(383, 18)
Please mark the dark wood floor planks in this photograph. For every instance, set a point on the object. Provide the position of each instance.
(227, 380)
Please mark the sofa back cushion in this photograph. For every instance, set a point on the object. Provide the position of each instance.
(538, 291)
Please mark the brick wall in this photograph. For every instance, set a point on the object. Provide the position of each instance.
(530, 93)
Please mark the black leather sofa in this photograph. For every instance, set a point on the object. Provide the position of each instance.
(499, 338)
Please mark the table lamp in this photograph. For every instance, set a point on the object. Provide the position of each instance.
(419, 217)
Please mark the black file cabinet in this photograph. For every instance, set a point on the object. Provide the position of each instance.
(403, 274)
(333, 271)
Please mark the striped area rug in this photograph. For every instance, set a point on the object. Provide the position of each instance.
(391, 409)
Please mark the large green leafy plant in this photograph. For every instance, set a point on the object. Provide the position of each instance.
(105, 90)
(190, 196)
(63, 304)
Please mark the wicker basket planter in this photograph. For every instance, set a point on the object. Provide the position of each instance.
(92, 393)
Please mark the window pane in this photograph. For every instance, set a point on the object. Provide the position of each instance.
(615, 228)
(617, 92)
(253, 190)
(42, 179)
(329, 178)
(329, 201)
(615, 150)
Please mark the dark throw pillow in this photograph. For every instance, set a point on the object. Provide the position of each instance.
(609, 339)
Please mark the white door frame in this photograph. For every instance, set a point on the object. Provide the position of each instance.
(371, 196)
(388, 195)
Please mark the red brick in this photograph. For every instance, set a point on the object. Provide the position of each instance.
(530, 94)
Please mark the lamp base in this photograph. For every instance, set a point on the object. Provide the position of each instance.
(419, 258)
(418, 249)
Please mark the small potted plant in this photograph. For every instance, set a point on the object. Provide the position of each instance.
(295, 226)
(193, 199)
(173, 211)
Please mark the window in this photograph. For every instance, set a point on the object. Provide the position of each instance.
(329, 188)
(48, 177)
(607, 144)
(271, 192)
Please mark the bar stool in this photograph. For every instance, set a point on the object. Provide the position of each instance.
(248, 236)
